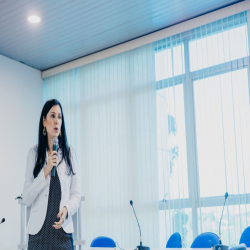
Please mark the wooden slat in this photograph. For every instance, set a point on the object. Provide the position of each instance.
(113, 25)
(58, 20)
(70, 40)
(74, 52)
(72, 29)
(7, 5)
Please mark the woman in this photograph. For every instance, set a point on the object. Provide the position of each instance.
(53, 199)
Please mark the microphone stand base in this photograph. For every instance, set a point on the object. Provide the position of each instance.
(146, 248)
(221, 247)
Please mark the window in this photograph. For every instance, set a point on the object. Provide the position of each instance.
(218, 48)
(172, 163)
(172, 158)
(222, 116)
(235, 219)
(169, 62)
(203, 122)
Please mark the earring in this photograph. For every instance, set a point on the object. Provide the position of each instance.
(60, 133)
(44, 131)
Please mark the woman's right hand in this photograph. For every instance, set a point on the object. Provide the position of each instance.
(52, 161)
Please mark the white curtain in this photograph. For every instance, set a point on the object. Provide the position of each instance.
(165, 125)
(203, 122)
(219, 60)
(110, 112)
(175, 214)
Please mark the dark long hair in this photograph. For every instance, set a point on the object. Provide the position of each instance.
(43, 141)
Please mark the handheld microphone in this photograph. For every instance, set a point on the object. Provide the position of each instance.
(141, 247)
(2, 221)
(55, 144)
(220, 246)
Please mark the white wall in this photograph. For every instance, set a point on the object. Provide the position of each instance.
(21, 100)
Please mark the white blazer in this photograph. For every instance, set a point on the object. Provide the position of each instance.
(36, 192)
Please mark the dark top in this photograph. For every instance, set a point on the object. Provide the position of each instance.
(49, 238)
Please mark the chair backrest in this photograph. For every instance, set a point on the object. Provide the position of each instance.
(202, 240)
(174, 241)
(245, 237)
(102, 241)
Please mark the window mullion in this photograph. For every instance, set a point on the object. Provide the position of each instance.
(248, 61)
(193, 182)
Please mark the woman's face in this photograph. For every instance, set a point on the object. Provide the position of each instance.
(53, 122)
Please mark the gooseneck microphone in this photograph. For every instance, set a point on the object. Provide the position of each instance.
(226, 196)
(220, 246)
(131, 203)
(2, 221)
(141, 247)
(55, 145)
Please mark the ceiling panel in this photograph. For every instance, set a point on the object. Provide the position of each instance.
(71, 29)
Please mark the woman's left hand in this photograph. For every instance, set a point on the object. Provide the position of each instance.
(62, 214)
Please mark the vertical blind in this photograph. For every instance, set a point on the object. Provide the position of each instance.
(203, 138)
(109, 108)
(165, 125)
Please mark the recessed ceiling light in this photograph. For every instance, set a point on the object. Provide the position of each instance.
(34, 19)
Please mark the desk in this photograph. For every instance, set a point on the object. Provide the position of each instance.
(99, 248)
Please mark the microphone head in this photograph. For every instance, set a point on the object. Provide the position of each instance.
(131, 203)
(226, 195)
(3, 220)
(55, 141)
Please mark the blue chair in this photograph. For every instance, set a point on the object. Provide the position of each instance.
(174, 241)
(102, 241)
(202, 240)
(245, 237)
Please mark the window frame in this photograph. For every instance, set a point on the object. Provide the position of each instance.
(194, 201)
